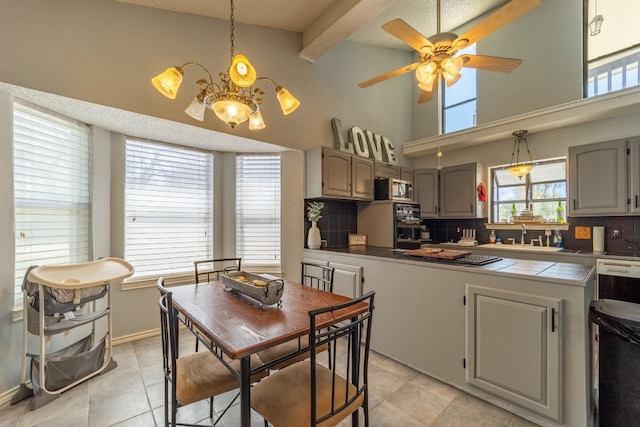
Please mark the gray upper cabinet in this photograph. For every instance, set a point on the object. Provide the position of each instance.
(598, 178)
(335, 174)
(406, 174)
(384, 170)
(458, 191)
(425, 191)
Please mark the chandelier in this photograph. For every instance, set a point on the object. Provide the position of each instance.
(233, 99)
(516, 167)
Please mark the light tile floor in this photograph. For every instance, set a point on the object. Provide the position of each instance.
(132, 395)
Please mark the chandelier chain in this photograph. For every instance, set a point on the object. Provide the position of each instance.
(232, 28)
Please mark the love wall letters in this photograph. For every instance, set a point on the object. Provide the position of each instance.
(364, 143)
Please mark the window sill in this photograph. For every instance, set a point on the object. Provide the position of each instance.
(529, 226)
(187, 278)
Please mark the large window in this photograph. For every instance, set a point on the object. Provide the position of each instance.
(612, 46)
(168, 208)
(52, 190)
(541, 189)
(459, 100)
(258, 209)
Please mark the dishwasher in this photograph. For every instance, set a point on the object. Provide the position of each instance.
(616, 342)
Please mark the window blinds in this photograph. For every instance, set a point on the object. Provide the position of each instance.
(258, 209)
(168, 207)
(52, 190)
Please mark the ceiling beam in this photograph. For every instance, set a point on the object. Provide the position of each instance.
(337, 24)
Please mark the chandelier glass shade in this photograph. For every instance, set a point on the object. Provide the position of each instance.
(595, 24)
(233, 98)
(516, 167)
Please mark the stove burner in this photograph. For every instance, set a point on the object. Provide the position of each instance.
(477, 259)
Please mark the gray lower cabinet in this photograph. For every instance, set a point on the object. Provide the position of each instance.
(514, 348)
(347, 279)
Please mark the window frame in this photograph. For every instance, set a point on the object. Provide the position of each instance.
(269, 201)
(183, 176)
(61, 146)
(494, 208)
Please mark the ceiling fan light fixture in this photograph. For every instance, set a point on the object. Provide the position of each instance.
(450, 79)
(425, 73)
(168, 82)
(452, 65)
(233, 98)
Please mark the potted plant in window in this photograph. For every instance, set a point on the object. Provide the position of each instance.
(314, 210)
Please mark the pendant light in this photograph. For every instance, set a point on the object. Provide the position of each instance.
(516, 167)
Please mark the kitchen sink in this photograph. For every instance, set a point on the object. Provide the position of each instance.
(520, 247)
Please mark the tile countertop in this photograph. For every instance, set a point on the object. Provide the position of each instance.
(565, 272)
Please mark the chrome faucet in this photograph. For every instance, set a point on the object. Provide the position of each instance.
(524, 231)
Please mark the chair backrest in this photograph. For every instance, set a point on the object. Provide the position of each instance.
(319, 276)
(351, 365)
(169, 331)
(213, 267)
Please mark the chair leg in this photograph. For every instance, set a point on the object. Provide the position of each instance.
(211, 407)
(266, 423)
(226, 409)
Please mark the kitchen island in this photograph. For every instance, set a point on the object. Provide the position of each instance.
(513, 332)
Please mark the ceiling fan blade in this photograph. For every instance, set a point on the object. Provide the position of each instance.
(491, 63)
(425, 96)
(507, 13)
(390, 74)
(405, 32)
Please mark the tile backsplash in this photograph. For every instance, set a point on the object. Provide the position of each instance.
(340, 218)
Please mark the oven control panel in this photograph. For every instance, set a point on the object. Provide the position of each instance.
(620, 268)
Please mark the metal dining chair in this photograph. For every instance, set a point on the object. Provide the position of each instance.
(216, 266)
(319, 276)
(308, 393)
(195, 376)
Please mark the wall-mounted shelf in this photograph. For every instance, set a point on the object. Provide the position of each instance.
(530, 226)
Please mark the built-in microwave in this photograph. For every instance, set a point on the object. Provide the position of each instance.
(393, 189)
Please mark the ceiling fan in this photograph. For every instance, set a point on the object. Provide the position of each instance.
(437, 53)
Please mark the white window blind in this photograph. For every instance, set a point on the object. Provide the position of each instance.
(52, 190)
(258, 209)
(168, 208)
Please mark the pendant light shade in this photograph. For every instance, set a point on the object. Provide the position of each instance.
(288, 103)
(168, 82)
(242, 72)
(256, 122)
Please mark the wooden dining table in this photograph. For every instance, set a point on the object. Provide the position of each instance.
(240, 327)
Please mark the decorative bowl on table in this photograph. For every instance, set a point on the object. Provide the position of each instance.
(265, 290)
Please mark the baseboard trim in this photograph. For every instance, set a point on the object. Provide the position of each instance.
(137, 336)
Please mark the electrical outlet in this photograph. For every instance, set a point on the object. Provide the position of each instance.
(458, 229)
(616, 233)
(583, 232)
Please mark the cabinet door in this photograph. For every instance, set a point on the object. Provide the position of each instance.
(362, 178)
(458, 191)
(384, 170)
(425, 191)
(598, 179)
(347, 280)
(634, 175)
(336, 173)
(514, 348)
(406, 174)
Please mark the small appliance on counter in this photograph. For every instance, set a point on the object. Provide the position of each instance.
(391, 224)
